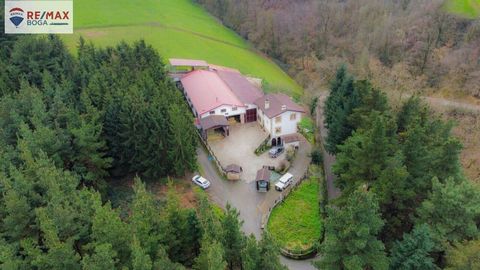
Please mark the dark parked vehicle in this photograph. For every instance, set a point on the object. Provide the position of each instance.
(276, 151)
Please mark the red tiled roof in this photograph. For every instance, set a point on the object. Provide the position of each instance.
(207, 91)
(240, 86)
(233, 168)
(291, 138)
(188, 62)
(276, 102)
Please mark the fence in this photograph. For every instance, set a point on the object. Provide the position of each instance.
(292, 254)
(210, 152)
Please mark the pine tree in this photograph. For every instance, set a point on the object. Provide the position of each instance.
(364, 156)
(251, 254)
(140, 258)
(233, 240)
(182, 240)
(339, 105)
(452, 211)
(333, 100)
(162, 262)
(145, 222)
(268, 254)
(413, 252)
(182, 142)
(107, 228)
(351, 235)
(102, 259)
(60, 254)
(211, 256)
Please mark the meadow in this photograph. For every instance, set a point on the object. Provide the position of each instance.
(296, 223)
(177, 29)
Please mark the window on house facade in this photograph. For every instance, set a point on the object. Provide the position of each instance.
(212, 112)
(278, 130)
(278, 119)
(223, 110)
(293, 116)
(234, 108)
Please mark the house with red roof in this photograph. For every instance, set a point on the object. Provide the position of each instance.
(213, 91)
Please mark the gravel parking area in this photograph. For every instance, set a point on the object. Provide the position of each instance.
(239, 147)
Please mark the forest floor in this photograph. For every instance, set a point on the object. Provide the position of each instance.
(179, 29)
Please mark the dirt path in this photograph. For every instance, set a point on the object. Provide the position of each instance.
(329, 160)
(178, 29)
(434, 101)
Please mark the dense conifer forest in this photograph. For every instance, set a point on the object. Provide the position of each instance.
(405, 203)
(68, 125)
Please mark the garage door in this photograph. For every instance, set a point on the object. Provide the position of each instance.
(251, 115)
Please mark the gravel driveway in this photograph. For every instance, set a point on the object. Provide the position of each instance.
(252, 204)
(239, 147)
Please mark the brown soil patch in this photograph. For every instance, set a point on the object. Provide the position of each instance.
(93, 33)
(467, 129)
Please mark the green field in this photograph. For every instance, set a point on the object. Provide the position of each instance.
(296, 223)
(178, 29)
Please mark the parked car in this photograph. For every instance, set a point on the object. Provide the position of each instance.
(284, 182)
(200, 181)
(276, 151)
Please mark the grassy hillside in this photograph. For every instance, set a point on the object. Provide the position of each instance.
(177, 28)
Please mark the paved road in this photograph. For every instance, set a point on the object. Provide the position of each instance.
(251, 204)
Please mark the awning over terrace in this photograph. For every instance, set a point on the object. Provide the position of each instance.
(214, 123)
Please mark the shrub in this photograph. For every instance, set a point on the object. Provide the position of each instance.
(291, 154)
(317, 156)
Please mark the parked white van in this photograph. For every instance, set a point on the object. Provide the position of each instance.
(284, 182)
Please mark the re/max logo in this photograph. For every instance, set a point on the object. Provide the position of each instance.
(47, 15)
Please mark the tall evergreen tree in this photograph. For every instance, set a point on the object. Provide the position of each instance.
(102, 259)
(145, 221)
(351, 235)
(233, 240)
(182, 135)
(211, 256)
(251, 254)
(452, 212)
(413, 252)
(343, 99)
(107, 228)
(140, 258)
(268, 253)
(364, 156)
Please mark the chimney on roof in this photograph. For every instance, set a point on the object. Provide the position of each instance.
(284, 107)
(267, 104)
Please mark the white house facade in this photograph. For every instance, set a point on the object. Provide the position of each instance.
(279, 116)
(214, 92)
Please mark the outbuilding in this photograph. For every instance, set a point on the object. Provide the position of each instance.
(212, 125)
(263, 180)
(233, 171)
(291, 141)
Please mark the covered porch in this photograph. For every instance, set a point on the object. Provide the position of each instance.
(214, 126)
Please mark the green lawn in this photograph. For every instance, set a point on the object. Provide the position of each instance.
(296, 223)
(177, 28)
